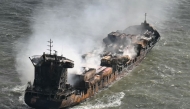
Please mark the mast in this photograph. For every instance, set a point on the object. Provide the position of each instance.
(145, 18)
(50, 45)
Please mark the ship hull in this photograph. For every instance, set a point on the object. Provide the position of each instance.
(37, 102)
(41, 103)
(91, 81)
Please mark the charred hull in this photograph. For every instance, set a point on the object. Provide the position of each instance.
(50, 89)
(46, 102)
(35, 101)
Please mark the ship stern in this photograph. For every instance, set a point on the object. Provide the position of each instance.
(41, 101)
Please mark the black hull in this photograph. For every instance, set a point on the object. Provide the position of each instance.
(41, 103)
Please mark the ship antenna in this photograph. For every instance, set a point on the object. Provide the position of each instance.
(50, 45)
(145, 18)
(62, 50)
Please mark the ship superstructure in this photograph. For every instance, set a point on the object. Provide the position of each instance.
(50, 80)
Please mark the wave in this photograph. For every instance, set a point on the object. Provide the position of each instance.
(103, 102)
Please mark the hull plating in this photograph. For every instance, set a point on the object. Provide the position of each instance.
(38, 102)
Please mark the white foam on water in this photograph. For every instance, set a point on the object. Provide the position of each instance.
(20, 89)
(104, 102)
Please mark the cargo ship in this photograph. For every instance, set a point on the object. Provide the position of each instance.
(123, 51)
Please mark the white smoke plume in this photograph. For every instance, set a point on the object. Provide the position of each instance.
(130, 51)
(77, 27)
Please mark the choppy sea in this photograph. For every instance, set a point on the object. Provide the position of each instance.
(161, 81)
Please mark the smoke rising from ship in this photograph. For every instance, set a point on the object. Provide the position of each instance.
(76, 27)
(130, 51)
